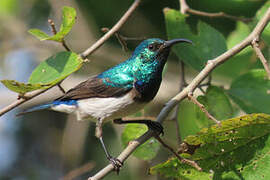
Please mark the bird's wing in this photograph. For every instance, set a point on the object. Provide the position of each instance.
(94, 87)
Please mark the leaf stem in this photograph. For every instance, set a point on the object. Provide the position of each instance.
(54, 31)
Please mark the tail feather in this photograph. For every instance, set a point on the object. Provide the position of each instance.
(36, 108)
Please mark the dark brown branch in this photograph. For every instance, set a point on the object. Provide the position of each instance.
(54, 31)
(186, 9)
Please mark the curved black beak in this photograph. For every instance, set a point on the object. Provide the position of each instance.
(172, 42)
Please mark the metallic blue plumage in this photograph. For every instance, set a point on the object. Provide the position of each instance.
(141, 66)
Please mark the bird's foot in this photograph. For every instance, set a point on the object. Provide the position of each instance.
(155, 126)
(117, 164)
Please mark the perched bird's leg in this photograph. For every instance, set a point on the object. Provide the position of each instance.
(115, 162)
(153, 125)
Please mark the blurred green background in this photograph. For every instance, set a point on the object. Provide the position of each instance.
(48, 145)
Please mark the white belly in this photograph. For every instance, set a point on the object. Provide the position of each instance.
(107, 108)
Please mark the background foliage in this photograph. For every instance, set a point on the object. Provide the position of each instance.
(47, 145)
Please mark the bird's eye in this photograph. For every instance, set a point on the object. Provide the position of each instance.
(151, 47)
(154, 46)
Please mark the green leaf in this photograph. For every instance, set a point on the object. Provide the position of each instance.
(191, 118)
(39, 34)
(208, 43)
(239, 149)
(251, 91)
(146, 151)
(69, 17)
(232, 134)
(48, 73)
(22, 87)
(68, 20)
(56, 68)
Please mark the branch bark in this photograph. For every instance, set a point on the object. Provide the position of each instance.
(203, 109)
(186, 9)
(211, 65)
(260, 55)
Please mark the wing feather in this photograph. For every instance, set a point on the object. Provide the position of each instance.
(94, 87)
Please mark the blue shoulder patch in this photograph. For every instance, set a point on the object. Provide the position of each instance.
(67, 102)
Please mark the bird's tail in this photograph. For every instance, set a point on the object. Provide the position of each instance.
(36, 108)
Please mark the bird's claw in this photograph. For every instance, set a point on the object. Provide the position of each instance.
(117, 164)
(156, 126)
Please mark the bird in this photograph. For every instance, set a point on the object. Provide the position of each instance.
(119, 91)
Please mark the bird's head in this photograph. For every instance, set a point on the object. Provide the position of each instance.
(155, 49)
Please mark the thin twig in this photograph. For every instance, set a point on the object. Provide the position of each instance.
(186, 9)
(61, 88)
(123, 39)
(114, 29)
(65, 45)
(87, 52)
(211, 65)
(201, 106)
(119, 37)
(201, 89)
(260, 55)
(79, 171)
(183, 160)
(21, 100)
(182, 85)
(54, 31)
